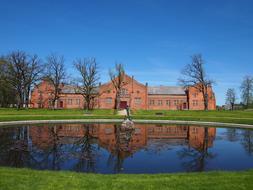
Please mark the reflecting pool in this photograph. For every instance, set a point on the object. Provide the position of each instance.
(108, 148)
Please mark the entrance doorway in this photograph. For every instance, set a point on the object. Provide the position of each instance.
(61, 104)
(184, 106)
(123, 105)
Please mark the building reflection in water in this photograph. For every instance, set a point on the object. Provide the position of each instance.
(79, 147)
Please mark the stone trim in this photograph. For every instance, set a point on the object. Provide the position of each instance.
(213, 124)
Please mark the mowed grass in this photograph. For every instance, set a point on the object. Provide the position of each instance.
(241, 117)
(26, 179)
(13, 111)
(9, 114)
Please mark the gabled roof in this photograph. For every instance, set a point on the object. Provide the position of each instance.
(126, 77)
(172, 90)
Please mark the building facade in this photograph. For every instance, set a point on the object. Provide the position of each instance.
(133, 94)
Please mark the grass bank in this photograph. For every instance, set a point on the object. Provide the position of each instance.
(25, 179)
(240, 117)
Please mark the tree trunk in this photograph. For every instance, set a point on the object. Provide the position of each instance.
(205, 96)
(56, 104)
(27, 97)
(20, 100)
(116, 105)
(87, 103)
(206, 102)
(205, 99)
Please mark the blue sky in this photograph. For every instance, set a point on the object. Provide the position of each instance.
(154, 39)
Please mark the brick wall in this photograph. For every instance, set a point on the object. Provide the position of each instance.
(167, 102)
(196, 101)
(134, 94)
(41, 95)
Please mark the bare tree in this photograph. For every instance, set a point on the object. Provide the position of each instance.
(117, 78)
(7, 92)
(33, 74)
(56, 75)
(88, 82)
(247, 90)
(23, 71)
(231, 98)
(194, 75)
(17, 66)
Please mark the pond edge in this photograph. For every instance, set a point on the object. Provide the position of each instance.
(214, 124)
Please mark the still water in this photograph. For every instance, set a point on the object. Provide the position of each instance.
(107, 148)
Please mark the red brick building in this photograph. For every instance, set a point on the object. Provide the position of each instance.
(133, 94)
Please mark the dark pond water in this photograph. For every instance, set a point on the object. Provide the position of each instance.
(107, 148)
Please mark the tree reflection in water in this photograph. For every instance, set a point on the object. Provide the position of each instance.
(56, 149)
(244, 136)
(233, 134)
(14, 147)
(247, 141)
(86, 151)
(121, 148)
(197, 157)
(52, 155)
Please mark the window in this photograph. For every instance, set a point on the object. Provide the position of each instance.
(195, 102)
(176, 102)
(137, 131)
(168, 102)
(137, 91)
(123, 91)
(108, 131)
(70, 101)
(160, 102)
(195, 130)
(137, 100)
(77, 101)
(151, 102)
(108, 100)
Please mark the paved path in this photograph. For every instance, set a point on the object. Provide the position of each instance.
(122, 112)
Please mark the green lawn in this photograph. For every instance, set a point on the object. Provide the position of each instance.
(25, 179)
(241, 117)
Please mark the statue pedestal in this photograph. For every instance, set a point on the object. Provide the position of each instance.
(127, 124)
